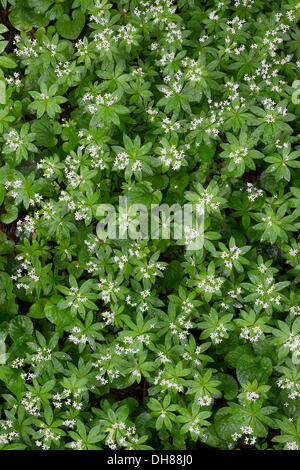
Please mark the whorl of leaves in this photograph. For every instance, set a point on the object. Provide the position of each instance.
(143, 344)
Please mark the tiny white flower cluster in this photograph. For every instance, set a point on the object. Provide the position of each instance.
(194, 428)
(252, 396)
(253, 193)
(48, 435)
(77, 337)
(126, 33)
(91, 244)
(111, 374)
(17, 363)
(295, 310)
(182, 331)
(280, 146)
(75, 204)
(121, 261)
(81, 47)
(15, 80)
(25, 271)
(206, 198)
(251, 333)
(99, 18)
(218, 334)
(142, 338)
(9, 437)
(262, 268)
(7, 424)
(48, 167)
(290, 385)
(48, 210)
(65, 399)
(265, 297)
(210, 284)
(234, 25)
(235, 293)
(125, 218)
(36, 200)
(195, 71)
(108, 317)
(107, 288)
(121, 161)
(134, 252)
(165, 382)
(138, 72)
(212, 121)
(172, 157)
(187, 306)
(163, 357)
(273, 111)
(233, 254)
(97, 156)
(14, 141)
(96, 101)
(169, 125)
(31, 404)
(28, 376)
(126, 440)
(192, 234)
(293, 344)
(244, 3)
(152, 269)
(28, 225)
(63, 69)
(292, 445)
(174, 87)
(152, 113)
(43, 354)
(70, 423)
(174, 32)
(77, 445)
(205, 400)
(239, 155)
(28, 50)
(293, 252)
(17, 184)
(125, 351)
(247, 431)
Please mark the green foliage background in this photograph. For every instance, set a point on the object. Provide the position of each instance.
(144, 345)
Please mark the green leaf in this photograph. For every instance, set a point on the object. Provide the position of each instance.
(250, 368)
(24, 18)
(2, 92)
(226, 424)
(44, 131)
(10, 215)
(228, 385)
(20, 326)
(173, 275)
(7, 62)
(37, 310)
(71, 28)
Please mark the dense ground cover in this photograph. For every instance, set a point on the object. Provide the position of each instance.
(144, 344)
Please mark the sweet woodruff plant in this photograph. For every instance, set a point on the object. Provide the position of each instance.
(111, 343)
